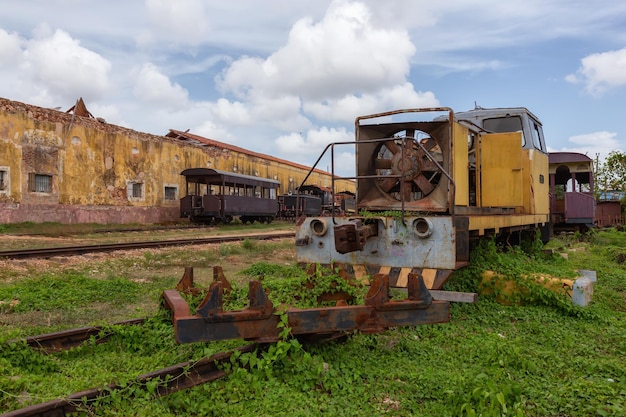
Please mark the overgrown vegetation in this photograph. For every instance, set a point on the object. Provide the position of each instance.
(539, 356)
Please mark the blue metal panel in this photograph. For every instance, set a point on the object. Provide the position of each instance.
(397, 244)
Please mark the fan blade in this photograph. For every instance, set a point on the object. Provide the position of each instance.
(428, 165)
(392, 146)
(387, 183)
(424, 185)
(428, 144)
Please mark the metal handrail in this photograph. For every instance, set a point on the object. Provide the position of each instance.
(332, 145)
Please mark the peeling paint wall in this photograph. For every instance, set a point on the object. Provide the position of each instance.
(103, 173)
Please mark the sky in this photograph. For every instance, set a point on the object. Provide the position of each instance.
(287, 77)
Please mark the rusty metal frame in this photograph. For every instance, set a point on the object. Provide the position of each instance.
(260, 320)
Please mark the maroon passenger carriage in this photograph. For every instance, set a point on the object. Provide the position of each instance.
(218, 196)
(572, 201)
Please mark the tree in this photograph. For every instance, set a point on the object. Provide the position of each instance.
(611, 174)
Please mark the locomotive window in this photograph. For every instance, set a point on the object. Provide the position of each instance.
(537, 136)
(505, 124)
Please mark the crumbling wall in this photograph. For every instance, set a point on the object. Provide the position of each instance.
(105, 173)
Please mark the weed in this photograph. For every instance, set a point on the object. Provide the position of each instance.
(536, 358)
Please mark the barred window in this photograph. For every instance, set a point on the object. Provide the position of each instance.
(38, 183)
(137, 190)
(4, 180)
(170, 193)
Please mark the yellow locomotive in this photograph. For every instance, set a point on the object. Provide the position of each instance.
(428, 181)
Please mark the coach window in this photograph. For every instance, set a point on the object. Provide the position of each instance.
(39, 183)
(170, 193)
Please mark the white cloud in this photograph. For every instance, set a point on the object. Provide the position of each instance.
(54, 67)
(602, 71)
(235, 112)
(341, 54)
(210, 130)
(10, 49)
(306, 147)
(331, 70)
(110, 113)
(345, 109)
(596, 144)
(180, 21)
(152, 86)
(310, 144)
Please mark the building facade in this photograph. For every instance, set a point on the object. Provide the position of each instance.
(70, 167)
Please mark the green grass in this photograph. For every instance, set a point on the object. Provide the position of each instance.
(540, 356)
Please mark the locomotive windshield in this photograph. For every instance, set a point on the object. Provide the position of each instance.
(505, 124)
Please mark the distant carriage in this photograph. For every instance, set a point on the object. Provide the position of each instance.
(313, 200)
(346, 201)
(214, 196)
(572, 201)
(339, 203)
(291, 206)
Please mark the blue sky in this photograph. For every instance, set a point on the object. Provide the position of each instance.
(287, 77)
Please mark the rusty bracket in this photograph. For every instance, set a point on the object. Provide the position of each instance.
(351, 237)
(260, 320)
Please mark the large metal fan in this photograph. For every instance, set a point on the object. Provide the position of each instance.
(413, 155)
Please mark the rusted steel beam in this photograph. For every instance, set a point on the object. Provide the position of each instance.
(260, 320)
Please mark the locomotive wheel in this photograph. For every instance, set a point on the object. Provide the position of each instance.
(228, 219)
(401, 155)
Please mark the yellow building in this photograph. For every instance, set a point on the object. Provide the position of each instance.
(70, 167)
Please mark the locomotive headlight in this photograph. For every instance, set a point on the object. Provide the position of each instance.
(423, 227)
(318, 227)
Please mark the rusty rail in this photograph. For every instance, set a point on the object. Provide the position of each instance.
(67, 339)
(79, 250)
(171, 379)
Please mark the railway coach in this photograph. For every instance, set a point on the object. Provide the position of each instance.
(213, 196)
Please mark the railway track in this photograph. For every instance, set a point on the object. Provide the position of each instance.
(168, 380)
(110, 247)
(67, 339)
